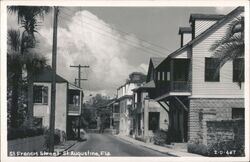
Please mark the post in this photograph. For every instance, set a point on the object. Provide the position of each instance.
(146, 137)
(53, 86)
(79, 85)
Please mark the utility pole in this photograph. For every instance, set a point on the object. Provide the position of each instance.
(53, 86)
(79, 85)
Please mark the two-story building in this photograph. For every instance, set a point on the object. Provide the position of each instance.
(149, 116)
(125, 99)
(68, 102)
(191, 85)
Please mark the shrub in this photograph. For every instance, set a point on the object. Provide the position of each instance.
(15, 133)
(197, 148)
(59, 136)
(227, 148)
(160, 137)
(219, 149)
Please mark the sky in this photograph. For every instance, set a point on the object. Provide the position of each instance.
(113, 41)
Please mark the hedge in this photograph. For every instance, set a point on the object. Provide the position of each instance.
(15, 133)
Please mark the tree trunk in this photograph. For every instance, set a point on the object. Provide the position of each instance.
(14, 101)
(30, 100)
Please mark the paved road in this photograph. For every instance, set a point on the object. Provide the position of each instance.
(108, 145)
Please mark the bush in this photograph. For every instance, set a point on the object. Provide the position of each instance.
(197, 148)
(227, 148)
(15, 133)
(160, 137)
(219, 149)
(59, 137)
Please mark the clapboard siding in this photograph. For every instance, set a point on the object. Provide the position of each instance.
(186, 53)
(202, 25)
(225, 87)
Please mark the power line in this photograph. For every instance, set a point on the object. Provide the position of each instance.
(122, 39)
(122, 32)
(115, 28)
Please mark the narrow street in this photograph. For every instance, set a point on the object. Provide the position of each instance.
(108, 145)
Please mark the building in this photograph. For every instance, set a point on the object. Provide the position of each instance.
(149, 116)
(188, 87)
(187, 82)
(68, 102)
(125, 100)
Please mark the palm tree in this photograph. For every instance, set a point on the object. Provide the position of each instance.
(231, 46)
(28, 18)
(14, 67)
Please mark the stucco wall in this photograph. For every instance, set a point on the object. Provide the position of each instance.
(43, 111)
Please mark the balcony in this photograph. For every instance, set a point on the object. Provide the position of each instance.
(180, 86)
(74, 110)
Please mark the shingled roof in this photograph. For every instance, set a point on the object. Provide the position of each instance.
(185, 30)
(205, 17)
(211, 28)
(46, 76)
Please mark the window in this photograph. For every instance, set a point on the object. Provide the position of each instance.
(163, 75)
(159, 75)
(238, 113)
(40, 94)
(38, 122)
(168, 76)
(238, 70)
(211, 72)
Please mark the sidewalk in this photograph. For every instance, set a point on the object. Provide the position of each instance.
(70, 143)
(174, 152)
(64, 146)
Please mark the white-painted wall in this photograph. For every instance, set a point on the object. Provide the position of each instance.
(43, 111)
(225, 87)
(202, 25)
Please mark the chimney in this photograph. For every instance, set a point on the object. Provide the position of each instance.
(186, 35)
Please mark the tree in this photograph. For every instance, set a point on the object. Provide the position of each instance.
(231, 46)
(28, 18)
(14, 66)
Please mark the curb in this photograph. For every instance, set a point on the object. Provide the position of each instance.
(61, 152)
(145, 146)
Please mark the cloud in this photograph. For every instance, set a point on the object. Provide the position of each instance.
(88, 40)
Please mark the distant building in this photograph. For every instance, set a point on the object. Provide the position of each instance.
(125, 100)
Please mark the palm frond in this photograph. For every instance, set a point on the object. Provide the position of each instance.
(13, 39)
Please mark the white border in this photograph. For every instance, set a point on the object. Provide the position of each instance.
(215, 3)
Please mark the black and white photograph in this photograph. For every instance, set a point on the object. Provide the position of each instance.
(149, 81)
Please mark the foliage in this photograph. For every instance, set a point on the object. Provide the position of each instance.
(160, 137)
(59, 137)
(22, 132)
(227, 148)
(197, 148)
(21, 55)
(231, 45)
(218, 149)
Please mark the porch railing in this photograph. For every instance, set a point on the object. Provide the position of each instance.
(74, 110)
(180, 86)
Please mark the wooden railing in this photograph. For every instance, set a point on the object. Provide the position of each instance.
(74, 110)
(180, 86)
